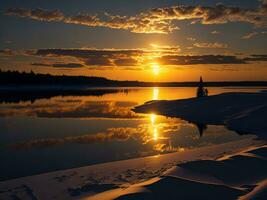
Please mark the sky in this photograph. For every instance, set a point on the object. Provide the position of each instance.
(151, 40)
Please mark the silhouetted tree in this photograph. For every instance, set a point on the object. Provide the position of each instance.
(201, 91)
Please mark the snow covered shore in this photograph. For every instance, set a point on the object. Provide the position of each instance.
(241, 176)
(241, 112)
(103, 181)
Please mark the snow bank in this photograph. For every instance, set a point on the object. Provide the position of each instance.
(225, 178)
(241, 112)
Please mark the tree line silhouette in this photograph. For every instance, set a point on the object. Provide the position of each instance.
(16, 78)
(24, 78)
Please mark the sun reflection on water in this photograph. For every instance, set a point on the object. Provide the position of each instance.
(155, 93)
(153, 117)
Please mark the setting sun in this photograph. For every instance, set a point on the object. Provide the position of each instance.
(155, 68)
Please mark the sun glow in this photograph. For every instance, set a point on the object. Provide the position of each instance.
(156, 69)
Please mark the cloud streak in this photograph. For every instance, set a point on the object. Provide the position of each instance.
(202, 59)
(59, 65)
(256, 58)
(250, 35)
(253, 34)
(215, 45)
(126, 57)
(156, 20)
(135, 59)
(131, 59)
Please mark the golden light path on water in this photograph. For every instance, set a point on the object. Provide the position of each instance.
(153, 117)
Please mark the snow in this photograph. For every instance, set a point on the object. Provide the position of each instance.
(241, 112)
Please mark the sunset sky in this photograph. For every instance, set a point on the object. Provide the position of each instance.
(145, 40)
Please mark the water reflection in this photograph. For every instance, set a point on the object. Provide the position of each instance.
(78, 107)
(154, 127)
(155, 93)
(153, 116)
(33, 94)
(201, 128)
(61, 129)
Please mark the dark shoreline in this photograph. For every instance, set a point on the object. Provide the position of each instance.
(14, 79)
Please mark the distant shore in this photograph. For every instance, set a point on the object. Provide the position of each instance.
(22, 80)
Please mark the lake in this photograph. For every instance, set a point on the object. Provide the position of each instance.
(60, 132)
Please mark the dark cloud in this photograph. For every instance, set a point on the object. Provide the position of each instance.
(37, 14)
(156, 20)
(59, 65)
(86, 53)
(98, 61)
(256, 58)
(132, 59)
(125, 62)
(203, 59)
(96, 57)
(6, 52)
(41, 64)
(128, 57)
(67, 65)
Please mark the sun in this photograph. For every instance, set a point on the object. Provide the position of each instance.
(156, 69)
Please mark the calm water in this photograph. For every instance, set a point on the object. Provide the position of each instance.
(72, 131)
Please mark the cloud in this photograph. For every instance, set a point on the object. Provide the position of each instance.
(37, 14)
(86, 53)
(95, 57)
(203, 59)
(156, 20)
(256, 58)
(125, 62)
(166, 48)
(98, 61)
(59, 65)
(67, 65)
(253, 34)
(191, 39)
(211, 45)
(135, 59)
(41, 64)
(250, 35)
(215, 32)
(6, 52)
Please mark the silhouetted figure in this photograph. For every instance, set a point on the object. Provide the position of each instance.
(201, 91)
(206, 92)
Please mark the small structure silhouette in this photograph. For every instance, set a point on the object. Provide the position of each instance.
(201, 91)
